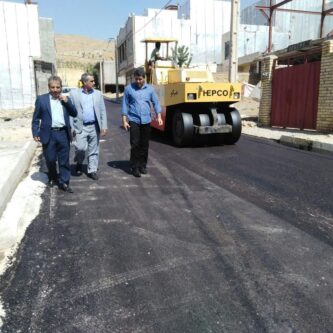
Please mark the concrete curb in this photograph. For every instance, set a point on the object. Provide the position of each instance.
(306, 144)
(295, 142)
(19, 163)
(322, 146)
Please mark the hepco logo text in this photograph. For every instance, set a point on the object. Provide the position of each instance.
(213, 92)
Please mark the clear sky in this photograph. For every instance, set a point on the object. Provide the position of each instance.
(99, 19)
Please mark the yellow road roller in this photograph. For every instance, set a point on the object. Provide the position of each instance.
(192, 103)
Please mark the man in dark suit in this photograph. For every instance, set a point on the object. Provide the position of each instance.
(51, 127)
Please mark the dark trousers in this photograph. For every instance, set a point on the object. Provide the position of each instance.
(139, 139)
(57, 149)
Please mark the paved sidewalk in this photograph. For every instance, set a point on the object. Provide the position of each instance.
(15, 159)
(16, 150)
(306, 140)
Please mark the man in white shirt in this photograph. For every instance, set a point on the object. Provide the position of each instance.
(51, 127)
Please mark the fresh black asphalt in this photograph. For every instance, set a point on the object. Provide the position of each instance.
(214, 239)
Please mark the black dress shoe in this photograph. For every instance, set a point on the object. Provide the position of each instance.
(65, 188)
(78, 169)
(143, 170)
(136, 172)
(93, 175)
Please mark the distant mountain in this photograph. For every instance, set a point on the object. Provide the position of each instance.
(81, 49)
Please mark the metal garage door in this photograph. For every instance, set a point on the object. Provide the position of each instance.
(295, 92)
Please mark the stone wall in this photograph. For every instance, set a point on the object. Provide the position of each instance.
(325, 100)
(266, 91)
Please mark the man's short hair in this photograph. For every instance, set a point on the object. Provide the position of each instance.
(84, 77)
(139, 72)
(54, 78)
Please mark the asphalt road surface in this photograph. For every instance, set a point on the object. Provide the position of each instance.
(214, 239)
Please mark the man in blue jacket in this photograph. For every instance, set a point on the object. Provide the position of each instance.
(51, 127)
(138, 99)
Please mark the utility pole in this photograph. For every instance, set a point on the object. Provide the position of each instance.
(101, 75)
(233, 59)
(116, 68)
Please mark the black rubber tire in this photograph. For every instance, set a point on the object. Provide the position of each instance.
(234, 119)
(182, 129)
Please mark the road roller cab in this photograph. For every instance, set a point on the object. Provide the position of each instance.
(192, 103)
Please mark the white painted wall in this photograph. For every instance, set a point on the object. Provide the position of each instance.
(254, 38)
(19, 42)
(209, 20)
(197, 24)
(165, 24)
(109, 73)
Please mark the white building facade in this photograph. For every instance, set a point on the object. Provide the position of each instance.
(208, 21)
(19, 27)
(196, 24)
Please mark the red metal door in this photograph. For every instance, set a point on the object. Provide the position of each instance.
(295, 93)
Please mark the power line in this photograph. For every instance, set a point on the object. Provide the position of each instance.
(153, 17)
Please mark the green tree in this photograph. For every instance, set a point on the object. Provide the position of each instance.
(91, 69)
(181, 55)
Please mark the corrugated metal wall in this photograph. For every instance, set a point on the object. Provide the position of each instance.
(299, 26)
(18, 44)
(252, 16)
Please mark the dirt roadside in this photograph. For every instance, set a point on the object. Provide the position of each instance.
(15, 125)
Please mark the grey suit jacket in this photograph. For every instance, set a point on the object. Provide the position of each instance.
(99, 108)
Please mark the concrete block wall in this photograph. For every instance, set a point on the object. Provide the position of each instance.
(266, 91)
(325, 100)
(46, 35)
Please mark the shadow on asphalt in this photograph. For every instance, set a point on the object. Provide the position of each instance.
(122, 165)
(160, 137)
(73, 170)
(39, 176)
(198, 141)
